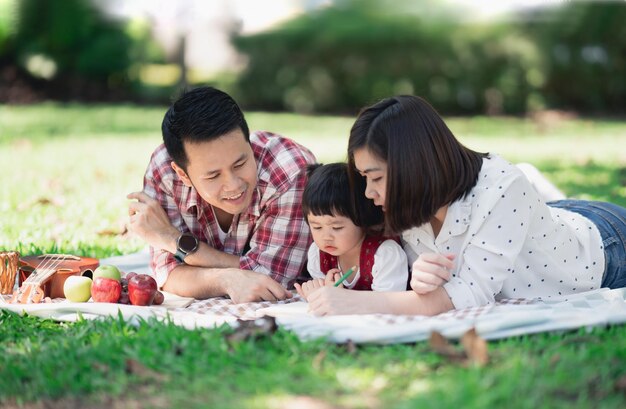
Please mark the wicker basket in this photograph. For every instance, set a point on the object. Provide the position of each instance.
(8, 271)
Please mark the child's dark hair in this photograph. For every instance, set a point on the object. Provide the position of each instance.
(328, 192)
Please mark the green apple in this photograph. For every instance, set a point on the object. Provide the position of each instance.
(107, 271)
(77, 288)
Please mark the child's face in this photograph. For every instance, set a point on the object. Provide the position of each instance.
(335, 235)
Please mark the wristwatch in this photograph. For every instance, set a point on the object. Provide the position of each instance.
(186, 244)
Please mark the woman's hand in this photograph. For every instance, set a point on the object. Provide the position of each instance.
(331, 300)
(430, 271)
(308, 288)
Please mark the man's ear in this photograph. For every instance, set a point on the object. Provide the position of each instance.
(181, 174)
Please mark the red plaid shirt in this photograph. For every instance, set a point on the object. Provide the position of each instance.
(271, 236)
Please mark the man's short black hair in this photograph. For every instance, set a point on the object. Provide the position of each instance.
(199, 115)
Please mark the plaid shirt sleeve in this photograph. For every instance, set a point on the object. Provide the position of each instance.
(279, 244)
(281, 238)
(158, 183)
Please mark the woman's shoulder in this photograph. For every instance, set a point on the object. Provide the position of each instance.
(495, 175)
(496, 167)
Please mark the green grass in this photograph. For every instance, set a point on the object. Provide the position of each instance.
(65, 173)
(95, 363)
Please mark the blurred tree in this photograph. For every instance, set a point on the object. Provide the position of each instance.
(358, 51)
(584, 46)
(6, 24)
(72, 45)
(354, 52)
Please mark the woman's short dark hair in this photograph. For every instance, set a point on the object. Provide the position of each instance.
(199, 115)
(427, 167)
(327, 192)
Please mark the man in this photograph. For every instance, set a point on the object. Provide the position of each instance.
(220, 208)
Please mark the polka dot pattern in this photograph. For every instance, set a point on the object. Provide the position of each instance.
(510, 243)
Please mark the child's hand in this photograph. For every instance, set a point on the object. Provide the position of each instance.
(332, 276)
(309, 287)
(430, 271)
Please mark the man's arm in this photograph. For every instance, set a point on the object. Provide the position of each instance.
(240, 285)
(198, 277)
(149, 221)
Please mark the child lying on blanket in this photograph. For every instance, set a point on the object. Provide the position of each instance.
(340, 243)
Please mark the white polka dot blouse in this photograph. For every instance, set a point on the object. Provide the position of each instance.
(510, 244)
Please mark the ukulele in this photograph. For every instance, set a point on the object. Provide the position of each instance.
(44, 276)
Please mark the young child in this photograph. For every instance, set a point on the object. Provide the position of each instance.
(339, 243)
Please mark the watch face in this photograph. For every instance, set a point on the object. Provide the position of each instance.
(187, 243)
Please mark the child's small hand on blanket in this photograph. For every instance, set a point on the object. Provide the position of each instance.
(311, 286)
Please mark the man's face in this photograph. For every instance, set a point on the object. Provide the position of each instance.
(223, 171)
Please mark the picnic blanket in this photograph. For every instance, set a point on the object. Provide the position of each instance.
(510, 317)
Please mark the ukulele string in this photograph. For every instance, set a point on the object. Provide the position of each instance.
(48, 265)
(47, 262)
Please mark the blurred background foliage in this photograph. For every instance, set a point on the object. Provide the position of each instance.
(337, 59)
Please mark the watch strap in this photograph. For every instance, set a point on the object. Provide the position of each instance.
(182, 252)
(180, 255)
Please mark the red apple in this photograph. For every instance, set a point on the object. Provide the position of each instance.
(106, 290)
(142, 289)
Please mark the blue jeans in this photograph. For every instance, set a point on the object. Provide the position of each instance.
(611, 222)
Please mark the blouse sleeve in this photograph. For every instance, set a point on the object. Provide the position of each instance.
(488, 259)
(313, 263)
(391, 269)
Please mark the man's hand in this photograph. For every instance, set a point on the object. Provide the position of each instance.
(431, 271)
(149, 221)
(249, 286)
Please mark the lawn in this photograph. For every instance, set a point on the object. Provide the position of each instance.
(66, 171)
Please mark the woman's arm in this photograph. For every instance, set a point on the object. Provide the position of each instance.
(338, 301)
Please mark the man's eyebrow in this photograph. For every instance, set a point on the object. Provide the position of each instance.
(239, 159)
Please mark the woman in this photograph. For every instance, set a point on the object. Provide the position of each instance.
(472, 225)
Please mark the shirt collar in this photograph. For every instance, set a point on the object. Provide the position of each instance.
(456, 223)
(191, 198)
(457, 218)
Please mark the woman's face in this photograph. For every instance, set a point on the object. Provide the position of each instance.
(375, 172)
